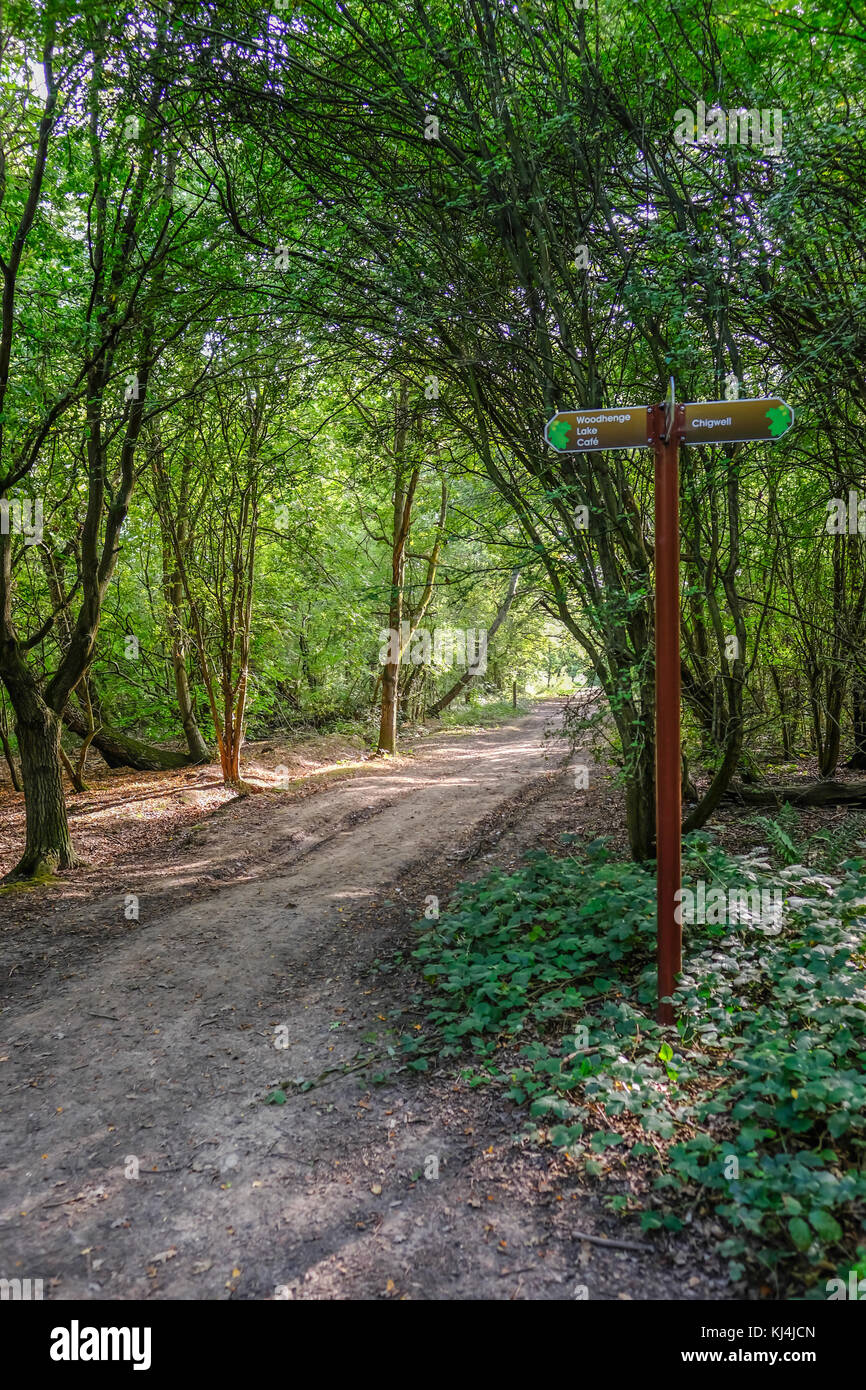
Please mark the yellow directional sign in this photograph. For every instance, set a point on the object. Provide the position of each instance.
(731, 422)
(570, 431)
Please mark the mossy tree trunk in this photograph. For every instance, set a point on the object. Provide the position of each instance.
(48, 844)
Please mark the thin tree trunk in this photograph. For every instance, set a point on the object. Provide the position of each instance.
(242, 612)
(787, 743)
(173, 592)
(858, 710)
(469, 675)
(313, 681)
(640, 808)
(701, 813)
(835, 691)
(409, 685)
(73, 773)
(403, 499)
(426, 595)
(7, 750)
(198, 749)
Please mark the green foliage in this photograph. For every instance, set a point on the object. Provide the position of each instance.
(486, 711)
(779, 835)
(760, 1103)
(822, 849)
(501, 955)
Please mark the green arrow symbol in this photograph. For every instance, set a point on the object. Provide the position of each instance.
(558, 433)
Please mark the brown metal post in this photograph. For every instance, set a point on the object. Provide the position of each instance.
(667, 672)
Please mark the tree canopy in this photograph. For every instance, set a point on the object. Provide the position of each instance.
(288, 296)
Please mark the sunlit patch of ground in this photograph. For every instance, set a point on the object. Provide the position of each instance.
(125, 813)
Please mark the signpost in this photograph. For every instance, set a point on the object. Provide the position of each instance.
(731, 422)
(586, 431)
(663, 428)
(666, 430)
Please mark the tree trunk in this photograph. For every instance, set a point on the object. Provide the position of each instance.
(120, 750)
(7, 751)
(173, 585)
(404, 495)
(388, 717)
(198, 749)
(829, 756)
(313, 681)
(408, 685)
(48, 845)
(74, 775)
(690, 791)
(640, 808)
(858, 760)
(802, 794)
(787, 741)
(459, 685)
(720, 783)
(468, 674)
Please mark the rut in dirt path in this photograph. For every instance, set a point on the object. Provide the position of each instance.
(65, 930)
(138, 1158)
(151, 1060)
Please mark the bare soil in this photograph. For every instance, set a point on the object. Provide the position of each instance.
(138, 1158)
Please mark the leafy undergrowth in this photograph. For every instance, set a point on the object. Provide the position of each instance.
(753, 1111)
(483, 713)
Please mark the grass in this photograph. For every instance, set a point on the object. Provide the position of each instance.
(483, 714)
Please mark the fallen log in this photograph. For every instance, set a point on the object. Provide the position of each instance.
(120, 750)
(800, 794)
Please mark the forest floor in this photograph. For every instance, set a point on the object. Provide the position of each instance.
(138, 1157)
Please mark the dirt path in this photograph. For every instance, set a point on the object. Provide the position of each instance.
(138, 1159)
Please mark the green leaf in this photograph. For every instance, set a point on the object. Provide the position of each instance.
(827, 1226)
(799, 1233)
